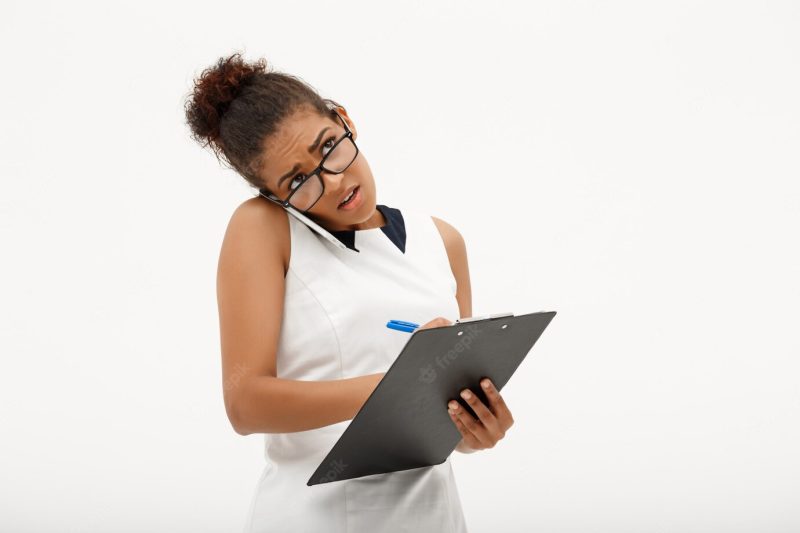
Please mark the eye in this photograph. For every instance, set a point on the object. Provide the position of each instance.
(331, 140)
(298, 177)
(327, 144)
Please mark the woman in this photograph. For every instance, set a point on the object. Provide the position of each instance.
(309, 273)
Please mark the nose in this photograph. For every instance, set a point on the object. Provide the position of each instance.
(332, 181)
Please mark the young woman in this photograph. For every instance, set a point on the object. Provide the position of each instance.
(309, 273)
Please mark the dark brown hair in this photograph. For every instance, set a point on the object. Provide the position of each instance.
(236, 105)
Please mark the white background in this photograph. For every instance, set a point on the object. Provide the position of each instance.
(633, 166)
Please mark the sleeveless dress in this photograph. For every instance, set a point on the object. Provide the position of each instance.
(337, 303)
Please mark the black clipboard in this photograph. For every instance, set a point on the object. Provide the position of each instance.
(404, 423)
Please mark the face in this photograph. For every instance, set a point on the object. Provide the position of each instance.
(287, 149)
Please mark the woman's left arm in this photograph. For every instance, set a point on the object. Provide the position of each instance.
(494, 419)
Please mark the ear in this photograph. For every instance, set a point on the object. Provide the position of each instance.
(343, 113)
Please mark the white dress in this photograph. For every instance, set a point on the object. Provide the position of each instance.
(338, 301)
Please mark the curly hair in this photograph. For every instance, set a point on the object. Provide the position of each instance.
(235, 105)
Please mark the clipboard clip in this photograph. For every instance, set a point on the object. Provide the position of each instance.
(486, 317)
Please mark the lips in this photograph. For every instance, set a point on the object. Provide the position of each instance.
(346, 194)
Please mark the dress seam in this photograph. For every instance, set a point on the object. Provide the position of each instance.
(338, 349)
(291, 268)
(254, 500)
(327, 315)
(449, 497)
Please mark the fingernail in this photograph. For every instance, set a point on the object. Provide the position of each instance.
(453, 405)
(485, 383)
(466, 394)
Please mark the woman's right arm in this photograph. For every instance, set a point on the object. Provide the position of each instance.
(250, 293)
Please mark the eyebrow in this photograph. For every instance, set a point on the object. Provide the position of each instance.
(310, 151)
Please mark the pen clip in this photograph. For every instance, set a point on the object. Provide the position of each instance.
(404, 323)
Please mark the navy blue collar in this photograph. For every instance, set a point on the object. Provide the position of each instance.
(395, 229)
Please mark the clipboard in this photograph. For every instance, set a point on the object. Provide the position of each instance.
(404, 423)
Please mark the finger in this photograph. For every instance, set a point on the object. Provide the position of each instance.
(475, 427)
(437, 322)
(469, 438)
(497, 404)
(484, 414)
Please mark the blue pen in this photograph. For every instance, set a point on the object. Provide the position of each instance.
(401, 325)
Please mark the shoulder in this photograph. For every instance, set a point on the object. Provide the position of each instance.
(453, 241)
(259, 227)
(457, 255)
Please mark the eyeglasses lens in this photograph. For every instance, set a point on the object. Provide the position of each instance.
(338, 160)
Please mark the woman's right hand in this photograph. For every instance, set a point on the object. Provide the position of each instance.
(437, 322)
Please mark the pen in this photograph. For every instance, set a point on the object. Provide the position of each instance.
(401, 325)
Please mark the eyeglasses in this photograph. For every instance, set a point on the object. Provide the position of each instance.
(311, 188)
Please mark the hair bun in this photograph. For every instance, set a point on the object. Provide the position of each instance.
(213, 92)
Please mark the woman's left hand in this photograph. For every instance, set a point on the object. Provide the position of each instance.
(494, 419)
